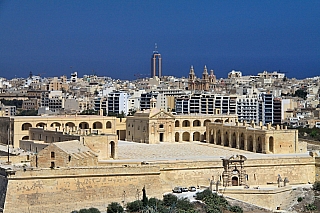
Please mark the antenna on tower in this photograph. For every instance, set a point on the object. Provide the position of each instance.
(155, 48)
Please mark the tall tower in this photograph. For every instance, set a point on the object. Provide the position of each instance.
(205, 79)
(191, 80)
(156, 63)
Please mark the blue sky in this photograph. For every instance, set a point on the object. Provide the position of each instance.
(116, 38)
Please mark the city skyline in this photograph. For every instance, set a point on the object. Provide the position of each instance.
(116, 39)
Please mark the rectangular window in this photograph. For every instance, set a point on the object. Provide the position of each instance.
(52, 155)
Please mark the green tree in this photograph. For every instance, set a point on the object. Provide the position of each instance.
(114, 207)
(301, 93)
(144, 197)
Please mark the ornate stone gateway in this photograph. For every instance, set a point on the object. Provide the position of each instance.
(234, 173)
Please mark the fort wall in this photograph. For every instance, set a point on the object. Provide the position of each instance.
(67, 189)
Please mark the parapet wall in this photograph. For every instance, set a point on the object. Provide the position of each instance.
(67, 189)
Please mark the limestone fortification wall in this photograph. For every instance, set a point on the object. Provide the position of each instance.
(67, 189)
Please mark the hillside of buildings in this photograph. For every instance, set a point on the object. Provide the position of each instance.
(268, 97)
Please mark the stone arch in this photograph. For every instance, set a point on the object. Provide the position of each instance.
(250, 144)
(234, 140)
(176, 137)
(97, 125)
(205, 122)
(259, 145)
(41, 124)
(271, 144)
(112, 149)
(70, 124)
(185, 123)
(83, 125)
(235, 181)
(196, 123)
(226, 139)
(26, 137)
(26, 126)
(241, 141)
(109, 125)
(176, 124)
(55, 124)
(186, 136)
(219, 137)
(218, 121)
(196, 136)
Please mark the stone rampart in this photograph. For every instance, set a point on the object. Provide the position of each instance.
(67, 189)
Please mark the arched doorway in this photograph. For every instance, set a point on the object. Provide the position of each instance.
(226, 139)
(259, 145)
(233, 140)
(196, 136)
(176, 137)
(112, 149)
(186, 136)
(26, 126)
(83, 125)
(235, 181)
(271, 145)
(206, 122)
(176, 124)
(97, 125)
(219, 137)
(241, 141)
(196, 123)
(185, 123)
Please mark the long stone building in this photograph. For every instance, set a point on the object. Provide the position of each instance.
(154, 126)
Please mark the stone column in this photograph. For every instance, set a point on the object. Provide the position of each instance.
(245, 141)
(230, 139)
(254, 143)
(215, 137)
(237, 140)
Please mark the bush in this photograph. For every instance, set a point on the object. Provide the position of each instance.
(135, 206)
(311, 207)
(169, 199)
(204, 194)
(114, 208)
(90, 210)
(300, 199)
(155, 202)
(236, 209)
(184, 204)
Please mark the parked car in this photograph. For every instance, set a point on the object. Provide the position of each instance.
(192, 189)
(184, 189)
(177, 189)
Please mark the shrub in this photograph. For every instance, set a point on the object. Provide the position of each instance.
(169, 199)
(311, 207)
(114, 208)
(204, 194)
(155, 202)
(184, 204)
(236, 209)
(135, 206)
(300, 199)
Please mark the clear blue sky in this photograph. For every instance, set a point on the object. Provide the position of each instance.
(116, 38)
